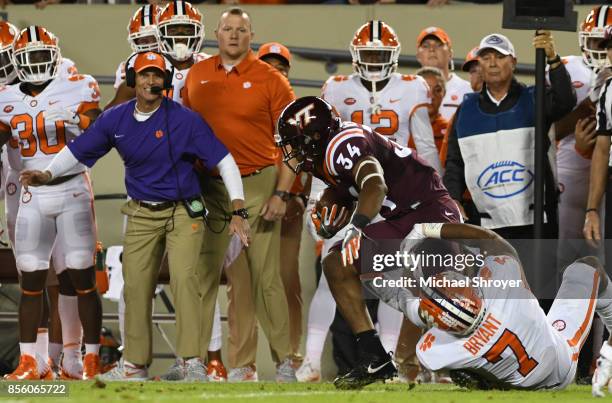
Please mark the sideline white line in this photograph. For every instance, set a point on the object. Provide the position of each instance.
(288, 394)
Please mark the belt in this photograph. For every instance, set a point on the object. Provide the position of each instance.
(61, 179)
(156, 206)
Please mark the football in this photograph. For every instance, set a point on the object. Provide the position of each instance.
(338, 207)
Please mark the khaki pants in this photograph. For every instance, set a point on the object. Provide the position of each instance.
(259, 263)
(148, 235)
(242, 324)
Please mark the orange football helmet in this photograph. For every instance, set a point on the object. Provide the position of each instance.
(180, 25)
(591, 33)
(375, 49)
(8, 34)
(36, 55)
(451, 305)
(143, 35)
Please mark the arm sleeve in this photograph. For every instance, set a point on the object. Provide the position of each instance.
(604, 123)
(94, 142)
(454, 176)
(560, 96)
(63, 162)
(231, 177)
(422, 133)
(207, 146)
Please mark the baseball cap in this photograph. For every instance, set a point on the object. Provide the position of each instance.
(149, 59)
(274, 48)
(470, 58)
(434, 31)
(498, 42)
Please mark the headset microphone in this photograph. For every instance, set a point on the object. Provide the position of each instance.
(156, 90)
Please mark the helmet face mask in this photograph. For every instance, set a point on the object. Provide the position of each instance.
(36, 55)
(143, 35)
(591, 33)
(458, 310)
(181, 30)
(375, 51)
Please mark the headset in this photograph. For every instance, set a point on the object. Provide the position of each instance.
(130, 73)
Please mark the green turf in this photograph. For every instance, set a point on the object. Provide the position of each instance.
(310, 393)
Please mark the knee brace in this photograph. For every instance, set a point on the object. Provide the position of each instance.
(65, 284)
(83, 280)
(33, 283)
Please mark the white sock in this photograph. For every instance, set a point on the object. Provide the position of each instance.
(55, 352)
(217, 334)
(315, 341)
(42, 344)
(72, 333)
(92, 348)
(389, 324)
(604, 306)
(28, 348)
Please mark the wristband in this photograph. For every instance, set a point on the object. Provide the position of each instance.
(591, 209)
(432, 230)
(360, 221)
(556, 59)
(284, 196)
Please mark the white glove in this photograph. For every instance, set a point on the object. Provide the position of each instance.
(351, 245)
(58, 113)
(182, 52)
(597, 82)
(603, 372)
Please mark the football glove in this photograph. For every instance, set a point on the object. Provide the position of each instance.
(603, 372)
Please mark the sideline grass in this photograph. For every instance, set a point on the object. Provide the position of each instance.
(294, 393)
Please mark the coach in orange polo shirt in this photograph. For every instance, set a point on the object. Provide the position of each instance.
(241, 98)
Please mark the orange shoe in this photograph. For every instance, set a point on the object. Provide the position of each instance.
(216, 371)
(91, 366)
(27, 370)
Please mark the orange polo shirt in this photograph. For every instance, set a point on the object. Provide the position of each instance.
(241, 106)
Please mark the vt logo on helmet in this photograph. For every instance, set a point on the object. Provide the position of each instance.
(303, 128)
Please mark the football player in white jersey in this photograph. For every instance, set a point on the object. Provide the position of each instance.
(45, 111)
(393, 104)
(434, 49)
(62, 306)
(484, 324)
(179, 28)
(575, 145)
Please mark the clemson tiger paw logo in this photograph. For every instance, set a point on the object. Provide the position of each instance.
(427, 342)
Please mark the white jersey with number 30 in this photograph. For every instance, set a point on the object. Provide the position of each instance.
(39, 140)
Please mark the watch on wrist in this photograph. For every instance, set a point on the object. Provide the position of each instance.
(241, 212)
(285, 196)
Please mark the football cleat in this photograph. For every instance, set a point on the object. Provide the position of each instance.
(91, 366)
(243, 374)
(124, 371)
(370, 370)
(307, 373)
(27, 370)
(216, 371)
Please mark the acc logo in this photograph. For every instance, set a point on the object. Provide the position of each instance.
(559, 325)
(504, 179)
(8, 109)
(454, 97)
(577, 84)
(350, 101)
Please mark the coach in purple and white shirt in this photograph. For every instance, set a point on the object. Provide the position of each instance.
(159, 141)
